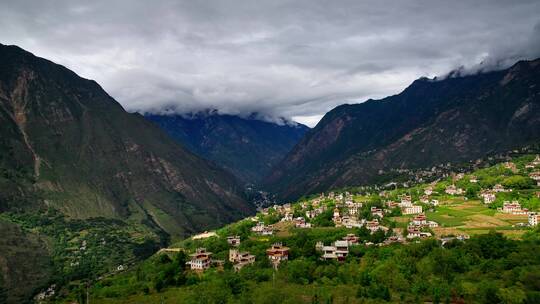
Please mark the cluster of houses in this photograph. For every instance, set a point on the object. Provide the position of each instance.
(262, 229)
(534, 164)
(346, 213)
(453, 190)
(202, 260)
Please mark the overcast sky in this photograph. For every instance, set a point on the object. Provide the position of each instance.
(295, 59)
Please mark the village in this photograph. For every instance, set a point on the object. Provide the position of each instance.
(389, 217)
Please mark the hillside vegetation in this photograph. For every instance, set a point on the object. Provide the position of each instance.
(466, 250)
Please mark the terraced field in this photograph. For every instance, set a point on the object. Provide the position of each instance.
(470, 217)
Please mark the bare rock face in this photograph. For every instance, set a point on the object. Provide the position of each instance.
(65, 141)
(431, 122)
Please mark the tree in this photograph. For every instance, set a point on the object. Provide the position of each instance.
(159, 284)
(518, 182)
(512, 295)
(378, 236)
(3, 290)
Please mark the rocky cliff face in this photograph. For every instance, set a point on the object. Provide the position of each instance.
(432, 121)
(66, 144)
(246, 147)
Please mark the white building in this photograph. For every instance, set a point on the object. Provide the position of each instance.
(536, 177)
(300, 222)
(406, 201)
(377, 212)
(411, 210)
(513, 208)
(200, 260)
(233, 240)
(533, 218)
(414, 232)
(288, 217)
(240, 259)
(499, 188)
(419, 220)
(488, 196)
(338, 251)
(262, 229)
(453, 190)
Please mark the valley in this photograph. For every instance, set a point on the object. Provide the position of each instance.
(99, 205)
(432, 241)
(248, 147)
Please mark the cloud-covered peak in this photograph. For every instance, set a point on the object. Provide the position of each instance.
(292, 59)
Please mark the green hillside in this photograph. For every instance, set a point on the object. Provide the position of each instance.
(476, 254)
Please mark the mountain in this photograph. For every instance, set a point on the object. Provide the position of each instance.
(66, 144)
(456, 119)
(247, 147)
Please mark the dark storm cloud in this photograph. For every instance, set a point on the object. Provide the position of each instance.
(280, 58)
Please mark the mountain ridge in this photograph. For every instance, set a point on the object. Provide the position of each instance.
(429, 122)
(248, 147)
(82, 153)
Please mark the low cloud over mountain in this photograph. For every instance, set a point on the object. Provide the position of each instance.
(288, 59)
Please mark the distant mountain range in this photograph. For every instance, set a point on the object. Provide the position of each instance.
(247, 147)
(65, 143)
(456, 119)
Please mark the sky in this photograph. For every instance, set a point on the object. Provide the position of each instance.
(290, 59)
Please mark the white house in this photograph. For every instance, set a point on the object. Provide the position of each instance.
(233, 240)
(513, 208)
(419, 220)
(262, 229)
(411, 209)
(377, 212)
(488, 196)
(338, 251)
(499, 188)
(453, 190)
(413, 232)
(200, 260)
(240, 259)
(536, 177)
(533, 218)
(406, 201)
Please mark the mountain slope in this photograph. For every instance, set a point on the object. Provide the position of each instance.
(24, 261)
(68, 143)
(451, 120)
(247, 147)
